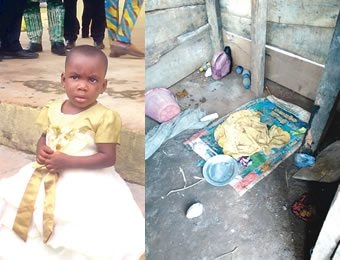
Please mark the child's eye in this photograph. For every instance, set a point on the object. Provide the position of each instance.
(93, 80)
(74, 77)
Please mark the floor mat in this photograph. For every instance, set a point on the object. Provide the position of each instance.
(274, 111)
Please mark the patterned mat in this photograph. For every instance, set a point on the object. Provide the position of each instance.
(254, 168)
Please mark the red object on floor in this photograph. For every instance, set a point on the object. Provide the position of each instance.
(303, 208)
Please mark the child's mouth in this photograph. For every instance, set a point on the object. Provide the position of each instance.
(80, 99)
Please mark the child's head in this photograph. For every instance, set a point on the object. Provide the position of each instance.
(84, 76)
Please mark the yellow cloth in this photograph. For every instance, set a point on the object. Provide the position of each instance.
(25, 211)
(68, 134)
(242, 134)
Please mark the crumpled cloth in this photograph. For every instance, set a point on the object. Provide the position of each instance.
(243, 134)
(188, 119)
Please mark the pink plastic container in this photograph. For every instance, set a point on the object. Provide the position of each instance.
(161, 105)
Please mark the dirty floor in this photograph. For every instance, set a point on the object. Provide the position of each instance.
(257, 225)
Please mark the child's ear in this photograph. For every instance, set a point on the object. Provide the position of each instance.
(62, 79)
(104, 86)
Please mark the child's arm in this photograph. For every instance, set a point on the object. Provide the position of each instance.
(43, 151)
(105, 157)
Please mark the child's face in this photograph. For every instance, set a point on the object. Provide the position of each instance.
(84, 80)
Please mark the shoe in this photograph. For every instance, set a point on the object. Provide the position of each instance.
(58, 48)
(85, 36)
(34, 47)
(99, 45)
(121, 48)
(21, 54)
(70, 44)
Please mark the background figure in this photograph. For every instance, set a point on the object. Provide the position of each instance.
(120, 33)
(10, 27)
(71, 24)
(34, 28)
(85, 20)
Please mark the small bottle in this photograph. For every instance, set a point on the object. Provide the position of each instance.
(239, 69)
(246, 79)
(205, 67)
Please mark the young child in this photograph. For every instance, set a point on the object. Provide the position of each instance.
(70, 203)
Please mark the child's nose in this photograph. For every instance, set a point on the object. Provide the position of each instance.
(82, 85)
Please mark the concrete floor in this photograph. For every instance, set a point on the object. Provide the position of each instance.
(258, 225)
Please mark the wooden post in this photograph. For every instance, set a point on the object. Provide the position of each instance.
(258, 44)
(327, 93)
(214, 20)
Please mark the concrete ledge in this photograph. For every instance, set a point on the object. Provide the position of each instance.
(17, 130)
(130, 156)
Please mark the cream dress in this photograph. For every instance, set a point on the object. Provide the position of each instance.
(95, 214)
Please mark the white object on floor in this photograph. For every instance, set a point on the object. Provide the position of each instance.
(195, 210)
(208, 73)
(209, 117)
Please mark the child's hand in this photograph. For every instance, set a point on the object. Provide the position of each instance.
(56, 162)
(43, 153)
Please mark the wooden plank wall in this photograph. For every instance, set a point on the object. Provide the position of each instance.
(177, 40)
(304, 28)
(258, 44)
(294, 55)
(290, 71)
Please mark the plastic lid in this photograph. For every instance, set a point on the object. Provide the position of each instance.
(220, 170)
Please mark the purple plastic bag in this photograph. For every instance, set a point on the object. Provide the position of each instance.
(220, 65)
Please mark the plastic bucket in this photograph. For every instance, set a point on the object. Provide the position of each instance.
(161, 105)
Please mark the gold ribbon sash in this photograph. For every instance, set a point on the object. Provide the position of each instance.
(25, 211)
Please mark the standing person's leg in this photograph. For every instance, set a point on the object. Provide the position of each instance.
(10, 27)
(34, 27)
(85, 19)
(131, 11)
(123, 44)
(112, 18)
(2, 4)
(98, 22)
(71, 23)
(55, 14)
